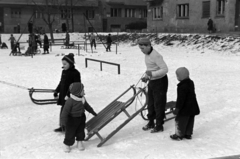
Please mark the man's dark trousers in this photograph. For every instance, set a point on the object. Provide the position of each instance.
(157, 98)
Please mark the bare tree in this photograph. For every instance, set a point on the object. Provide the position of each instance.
(50, 10)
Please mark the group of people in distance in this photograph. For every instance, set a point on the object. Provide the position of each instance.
(92, 39)
(33, 41)
(70, 93)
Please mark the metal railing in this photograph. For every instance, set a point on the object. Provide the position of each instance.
(101, 62)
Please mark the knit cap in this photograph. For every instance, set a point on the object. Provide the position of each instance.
(69, 58)
(182, 73)
(144, 41)
(76, 88)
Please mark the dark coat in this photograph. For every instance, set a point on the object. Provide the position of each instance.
(46, 42)
(210, 25)
(68, 77)
(109, 39)
(186, 104)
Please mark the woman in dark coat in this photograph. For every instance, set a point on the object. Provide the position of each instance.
(45, 44)
(210, 25)
(69, 76)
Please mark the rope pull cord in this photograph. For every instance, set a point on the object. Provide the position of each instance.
(14, 85)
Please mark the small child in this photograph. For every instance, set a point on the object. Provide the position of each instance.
(186, 106)
(73, 116)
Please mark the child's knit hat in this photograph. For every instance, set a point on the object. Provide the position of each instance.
(76, 88)
(69, 58)
(182, 73)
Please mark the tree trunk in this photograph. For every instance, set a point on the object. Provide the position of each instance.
(51, 32)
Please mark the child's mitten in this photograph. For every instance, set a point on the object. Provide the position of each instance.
(175, 112)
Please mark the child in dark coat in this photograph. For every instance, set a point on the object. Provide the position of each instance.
(186, 106)
(73, 117)
(69, 75)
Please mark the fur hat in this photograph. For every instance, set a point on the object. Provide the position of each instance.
(69, 58)
(76, 88)
(182, 73)
(144, 41)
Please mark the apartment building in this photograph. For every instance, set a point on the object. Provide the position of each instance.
(192, 15)
(118, 14)
(15, 14)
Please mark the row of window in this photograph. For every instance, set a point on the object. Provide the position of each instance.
(129, 13)
(183, 10)
(66, 13)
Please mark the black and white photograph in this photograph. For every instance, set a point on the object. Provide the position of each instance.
(119, 79)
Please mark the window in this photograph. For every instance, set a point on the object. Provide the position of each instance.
(16, 13)
(65, 13)
(183, 10)
(116, 12)
(206, 9)
(220, 7)
(157, 12)
(130, 13)
(143, 13)
(90, 14)
(38, 14)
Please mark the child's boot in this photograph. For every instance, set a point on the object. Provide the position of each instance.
(67, 149)
(80, 146)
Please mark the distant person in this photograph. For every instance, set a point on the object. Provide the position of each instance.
(18, 28)
(69, 75)
(67, 38)
(73, 117)
(186, 106)
(92, 41)
(45, 44)
(64, 27)
(12, 41)
(4, 46)
(210, 26)
(38, 40)
(30, 27)
(109, 43)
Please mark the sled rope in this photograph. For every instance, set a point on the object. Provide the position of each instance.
(14, 85)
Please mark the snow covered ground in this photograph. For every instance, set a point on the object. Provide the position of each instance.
(26, 129)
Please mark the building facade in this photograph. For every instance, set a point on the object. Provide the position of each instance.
(78, 16)
(192, 15)
(118, 14)
(14, 15)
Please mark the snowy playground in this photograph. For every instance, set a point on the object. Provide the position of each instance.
(26, 129)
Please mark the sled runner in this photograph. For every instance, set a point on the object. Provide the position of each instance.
(169, 108)
(42, 101)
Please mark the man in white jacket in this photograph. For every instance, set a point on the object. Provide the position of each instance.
(157, 87)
